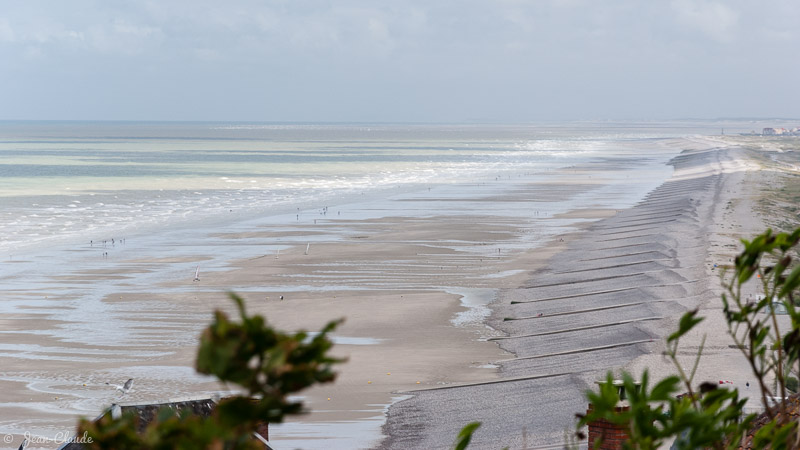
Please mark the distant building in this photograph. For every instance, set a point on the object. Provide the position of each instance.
(780, 132)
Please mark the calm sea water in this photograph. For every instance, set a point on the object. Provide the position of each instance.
(80, 181)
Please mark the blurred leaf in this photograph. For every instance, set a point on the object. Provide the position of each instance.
(687, 322)
(465, 435)
(665, 389)
(791, 283)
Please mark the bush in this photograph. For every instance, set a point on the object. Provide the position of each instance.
(710, 416)
(269, 365)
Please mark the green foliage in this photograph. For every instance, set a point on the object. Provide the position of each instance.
(710, 416)
(465, 435)
(754, 325)
(656, 416)
(167, 431)
(792, 384)
(270, 365)
(687, 322)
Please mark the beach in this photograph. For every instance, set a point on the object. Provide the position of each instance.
(606, 303)
(498, 298)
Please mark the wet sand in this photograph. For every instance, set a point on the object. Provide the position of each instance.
(414, 278)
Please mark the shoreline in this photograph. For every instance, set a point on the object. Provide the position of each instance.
(603, 303)
(399, 273)
(739, 213)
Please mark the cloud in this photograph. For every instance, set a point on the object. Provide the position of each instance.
(713, 18)
(6, 32)
(122, 37)
(430, 60)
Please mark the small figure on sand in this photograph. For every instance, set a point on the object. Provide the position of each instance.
(197, 274)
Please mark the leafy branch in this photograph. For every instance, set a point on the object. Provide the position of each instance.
(268, 364)
(710, 416)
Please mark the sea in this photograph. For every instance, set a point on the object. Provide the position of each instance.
(81, 182)
(94, 196)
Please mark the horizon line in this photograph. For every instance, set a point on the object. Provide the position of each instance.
(358, 122)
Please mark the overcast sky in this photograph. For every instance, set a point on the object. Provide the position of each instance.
(399, 60)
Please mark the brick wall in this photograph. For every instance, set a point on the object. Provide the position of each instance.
(611, 435)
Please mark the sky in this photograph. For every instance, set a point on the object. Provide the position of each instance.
(399, 60)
